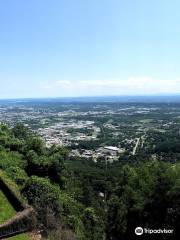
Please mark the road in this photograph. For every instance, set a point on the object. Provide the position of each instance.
(136, 146)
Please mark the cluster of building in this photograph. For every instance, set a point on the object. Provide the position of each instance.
(70, 131)
(107, 153)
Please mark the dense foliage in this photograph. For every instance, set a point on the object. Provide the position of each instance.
(79, 199)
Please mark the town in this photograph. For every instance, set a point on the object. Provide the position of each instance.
(97, 131)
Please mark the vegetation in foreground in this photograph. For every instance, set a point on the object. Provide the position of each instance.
(80, 199)
(20, 237)
(6, 210)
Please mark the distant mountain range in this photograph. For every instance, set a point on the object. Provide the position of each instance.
(123, 99)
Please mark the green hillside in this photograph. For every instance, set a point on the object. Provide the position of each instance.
(85, 200)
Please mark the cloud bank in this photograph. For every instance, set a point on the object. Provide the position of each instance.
(130, 86)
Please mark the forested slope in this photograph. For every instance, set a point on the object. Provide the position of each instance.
(79, 199)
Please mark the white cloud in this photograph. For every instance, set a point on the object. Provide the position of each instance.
(63, 83)
(132, 86)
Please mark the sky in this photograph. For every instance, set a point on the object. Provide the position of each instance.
(66, 48)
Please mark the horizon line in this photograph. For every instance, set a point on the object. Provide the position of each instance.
(95, 96)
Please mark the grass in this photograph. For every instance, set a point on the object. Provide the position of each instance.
(11, 184)
(20, 237)
(6, 210)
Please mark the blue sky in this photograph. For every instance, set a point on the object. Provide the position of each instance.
(57, 48)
